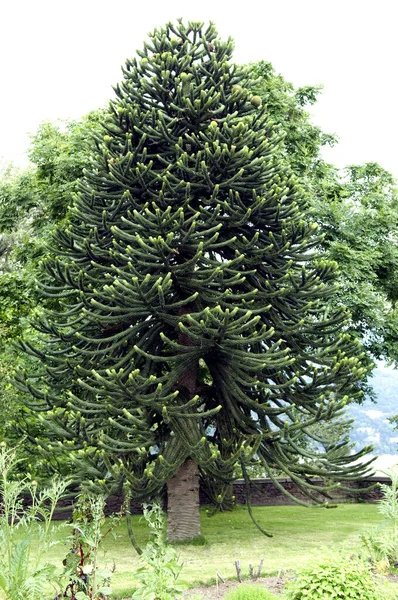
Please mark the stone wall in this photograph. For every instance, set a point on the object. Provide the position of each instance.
(264, 493)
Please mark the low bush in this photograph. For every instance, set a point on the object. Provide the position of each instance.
(334, 578)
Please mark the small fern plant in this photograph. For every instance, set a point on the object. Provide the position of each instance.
(26, 532)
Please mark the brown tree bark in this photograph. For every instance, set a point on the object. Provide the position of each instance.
(183, 520)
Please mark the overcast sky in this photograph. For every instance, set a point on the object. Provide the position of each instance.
(59, 59)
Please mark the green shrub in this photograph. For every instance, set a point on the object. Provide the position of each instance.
(250, 592)
(334, 578)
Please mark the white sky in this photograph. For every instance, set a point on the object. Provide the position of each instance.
(59, 58)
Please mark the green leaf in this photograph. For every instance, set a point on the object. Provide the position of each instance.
(81, 596)
(106, 590)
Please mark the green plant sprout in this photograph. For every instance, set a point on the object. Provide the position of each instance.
(159, 568)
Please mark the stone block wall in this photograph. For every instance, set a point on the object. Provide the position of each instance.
(263, 493)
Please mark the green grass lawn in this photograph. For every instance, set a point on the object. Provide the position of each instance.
(299, 534)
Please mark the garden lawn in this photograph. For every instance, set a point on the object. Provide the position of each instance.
(299, 534)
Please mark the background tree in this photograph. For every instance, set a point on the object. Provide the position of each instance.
(288, 110)
(356, 210)
(189, 327)
(32, 202)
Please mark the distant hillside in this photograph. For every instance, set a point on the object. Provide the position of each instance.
(371, 425)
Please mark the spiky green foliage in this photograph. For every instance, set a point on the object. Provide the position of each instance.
(191, 320)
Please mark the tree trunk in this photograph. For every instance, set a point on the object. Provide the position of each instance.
(183, 522)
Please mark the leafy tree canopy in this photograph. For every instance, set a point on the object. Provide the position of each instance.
(357, 213)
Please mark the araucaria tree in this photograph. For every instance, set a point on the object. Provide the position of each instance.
(188, 332)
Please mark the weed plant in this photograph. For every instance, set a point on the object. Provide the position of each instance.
(159, 566)
(87, 581)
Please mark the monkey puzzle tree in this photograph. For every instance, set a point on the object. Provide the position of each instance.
(188, 329)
